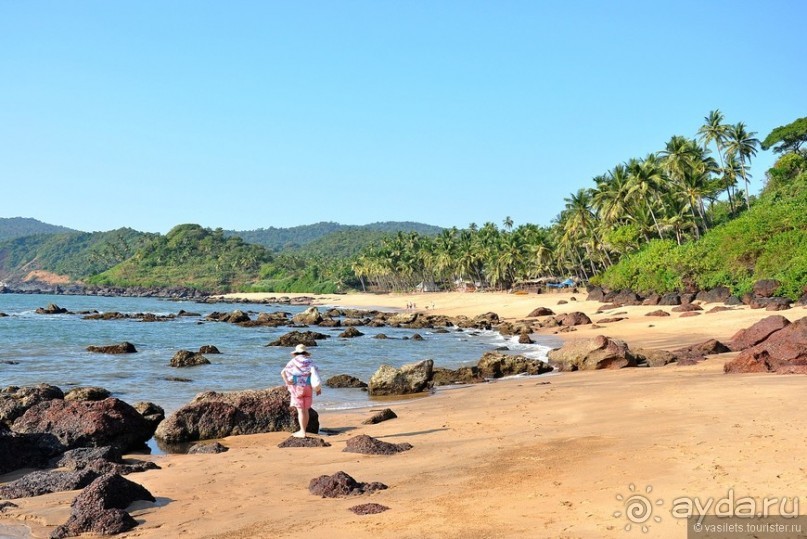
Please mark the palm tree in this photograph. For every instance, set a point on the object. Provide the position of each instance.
(508, 223)
(714, 130)
(646, 180)
(742, 144)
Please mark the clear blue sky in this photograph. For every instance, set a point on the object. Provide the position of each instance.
(244, 115)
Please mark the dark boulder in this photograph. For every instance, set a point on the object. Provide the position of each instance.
(687, 308)
(659, 312)
(716, 295)
(382, 415)
(99, 509)
(351, 332)
(626, 297)
(46, 482)
(340, 485)
(52, 308)
(653, 358)
(670, 299)
(541, 311)
(368, 509)
(211, 448)
(214, 415)
(595, 293)
(589, 354)
(573, 319)
(293, 338)
(293, 441)
(524, 338)
(186, 358)
(309, 317)
(87, 423)
(208, 349)
(26, 450)
(766, 288)
(698, 352)
(345, 381)
(14, 401)
(152, 413)
(778, 304)
(120, 348)
(367, 445)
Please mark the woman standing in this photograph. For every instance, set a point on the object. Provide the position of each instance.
(301, 377)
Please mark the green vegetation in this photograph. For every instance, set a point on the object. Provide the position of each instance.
(76, 254)
(190, 256)
(789, 137)
(19, 227)
(769, 241)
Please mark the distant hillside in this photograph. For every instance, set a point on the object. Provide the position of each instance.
(74, 254)
(18, 227)
(278, 239)
(190, 256)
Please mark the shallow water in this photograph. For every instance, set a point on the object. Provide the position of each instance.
(51, 349)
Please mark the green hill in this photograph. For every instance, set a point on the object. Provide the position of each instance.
(769, 241)
(18, 227)
(190, 256)
(74, 254)
(279, 239)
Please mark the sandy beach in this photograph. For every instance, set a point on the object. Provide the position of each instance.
(559, 455)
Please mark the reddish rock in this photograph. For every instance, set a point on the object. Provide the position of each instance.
(698, 352)
(368, 509)
(686, 308)
(660, 312)
(368, 445)
(496, 365)
(746, 338)
(766, 288)
(340, 485)
(611, 320)
(87, 423)
(689, 314)
(573, 319)
(121, 348)
(540, 311)
(783, 351)
(383, 415)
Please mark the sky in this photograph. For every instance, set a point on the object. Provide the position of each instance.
(245, 115)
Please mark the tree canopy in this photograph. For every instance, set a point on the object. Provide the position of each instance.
(787, 138)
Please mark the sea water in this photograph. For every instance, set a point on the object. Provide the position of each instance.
(45, 348)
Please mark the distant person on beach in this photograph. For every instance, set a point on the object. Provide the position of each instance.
(302, 380)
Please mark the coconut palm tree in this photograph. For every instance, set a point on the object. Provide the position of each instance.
(714, 130)
(742, 144)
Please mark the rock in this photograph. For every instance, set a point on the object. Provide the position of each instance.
(293, 338)
(766, 288)
(350, 333)
(611, 320)
(368, 509)
(595, 293)
(698, 352)
(26, 450)
(86, 423)
(207, 449)
(100, 507)
(121, 348)
(342, 381)
(340, 485)
(417, 337)
(784, 351)
(368, 445)
(87, 394)
(496, 365)
(78, 459)
(524, 338)
(208, 349)
(589, 354)
(659, 312)
(748, 337)
(152, 413)
(716, 295)
(309, 317)
(689, 314)
(14, 401)
(778, 304)
(541, 311)
(214, 415)
(383, 415)
(802, 302)
(291, 441)
(573, 319)
(186, 358)
(463, 375)
(410, 378)
(652, 299)
(626, 297)
(670, 299)
(380, 336)
(608, 307)
(687, 308)
(46, 482)
(654, 358)
(52, 308)
(718, 309)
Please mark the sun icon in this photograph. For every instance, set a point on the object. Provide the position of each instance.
(638, 508)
